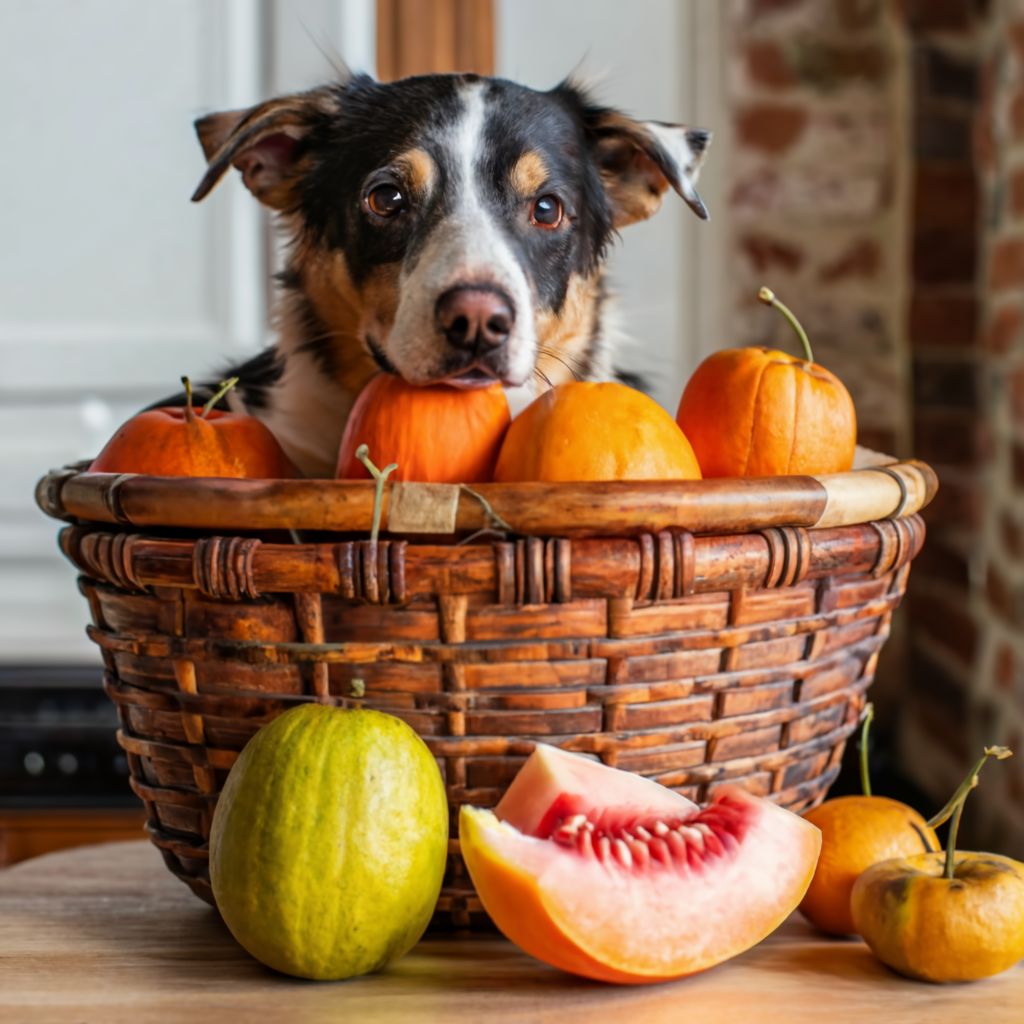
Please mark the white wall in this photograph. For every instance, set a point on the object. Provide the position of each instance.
(656, 59)
(112, 284)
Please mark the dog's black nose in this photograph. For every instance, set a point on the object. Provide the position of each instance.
(475, 318)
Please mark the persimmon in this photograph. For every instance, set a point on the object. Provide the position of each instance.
(857, 832)
(762, 412)
(195, 441)
(595, 431)
(950, 916)
(435, 434)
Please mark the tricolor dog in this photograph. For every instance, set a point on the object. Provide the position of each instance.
(445, 228)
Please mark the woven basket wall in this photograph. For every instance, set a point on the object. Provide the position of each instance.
(690, 658)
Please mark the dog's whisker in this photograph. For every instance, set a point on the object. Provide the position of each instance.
(575, 371)
(542, 376)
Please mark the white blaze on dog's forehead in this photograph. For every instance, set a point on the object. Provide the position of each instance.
(466, 247)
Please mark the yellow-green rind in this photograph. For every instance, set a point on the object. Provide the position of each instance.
(329, 842)
(936, 929)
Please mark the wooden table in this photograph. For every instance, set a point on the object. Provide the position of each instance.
(104, 934)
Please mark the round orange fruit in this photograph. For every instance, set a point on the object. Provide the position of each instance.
(436, 434)
(595, 431)
(856, 833)
(763, 412)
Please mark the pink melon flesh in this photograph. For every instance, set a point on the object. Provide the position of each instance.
(610, 875)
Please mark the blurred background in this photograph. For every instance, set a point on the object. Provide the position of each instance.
(868, 165)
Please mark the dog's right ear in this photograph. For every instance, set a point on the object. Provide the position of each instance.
(264, 143)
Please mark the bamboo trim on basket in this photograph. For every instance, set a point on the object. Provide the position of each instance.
(731, 505)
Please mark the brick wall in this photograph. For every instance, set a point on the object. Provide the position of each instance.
(878, 182)
(818, 188)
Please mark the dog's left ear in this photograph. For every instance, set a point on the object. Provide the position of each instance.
(640, 160)
(263, 142)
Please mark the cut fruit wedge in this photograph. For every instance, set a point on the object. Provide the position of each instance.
(611, 876)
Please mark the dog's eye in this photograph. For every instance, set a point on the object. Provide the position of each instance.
(385, 200)
(546, 212)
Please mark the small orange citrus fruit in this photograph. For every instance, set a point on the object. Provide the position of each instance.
(595, 431)
(856, 833)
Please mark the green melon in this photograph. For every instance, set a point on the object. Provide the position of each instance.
(329, 842)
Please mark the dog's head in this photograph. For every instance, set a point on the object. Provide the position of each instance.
(453, 226)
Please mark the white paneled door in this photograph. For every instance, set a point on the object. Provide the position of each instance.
(112, 284)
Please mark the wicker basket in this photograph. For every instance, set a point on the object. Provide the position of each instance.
(692, 632)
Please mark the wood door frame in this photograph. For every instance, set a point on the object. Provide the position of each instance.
(416, 37)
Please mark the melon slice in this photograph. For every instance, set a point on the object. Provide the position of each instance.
(609, 875)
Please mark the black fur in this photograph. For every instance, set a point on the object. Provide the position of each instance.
(352, 150)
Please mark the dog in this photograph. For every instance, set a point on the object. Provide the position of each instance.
(446, 228)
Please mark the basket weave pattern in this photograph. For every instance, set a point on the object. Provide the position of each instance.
(694, 660)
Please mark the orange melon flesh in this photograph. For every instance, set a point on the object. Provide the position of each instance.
(611, 876)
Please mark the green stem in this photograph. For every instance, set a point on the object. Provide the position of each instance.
(955, 806)
(190, 413)
(222, 389)
(380, 476)
(767, 296)
(865, 777)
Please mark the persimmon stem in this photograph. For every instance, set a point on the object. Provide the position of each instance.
(190, 413)
(768, 297)
(380, 476)
(222, 389)
(865, 777)
(955, 807)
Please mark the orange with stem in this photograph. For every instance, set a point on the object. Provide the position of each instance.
(762, 412)
(194, 441)
(951, 916)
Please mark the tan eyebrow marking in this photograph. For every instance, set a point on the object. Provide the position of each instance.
(529, 173)
(419, 168)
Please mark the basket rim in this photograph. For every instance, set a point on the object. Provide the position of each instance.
(878, 487)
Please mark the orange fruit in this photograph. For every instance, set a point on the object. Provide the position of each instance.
(957, 916)
(195, 441)
(762, 412)
(856, 833)
(595, 431)
(437, 434)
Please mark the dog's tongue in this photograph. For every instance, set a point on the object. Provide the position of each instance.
(474, 378)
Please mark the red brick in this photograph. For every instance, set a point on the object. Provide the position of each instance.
(958, 503)
(945, 384)
(954, 438)
(1018, 466)
(862, 259)
(1017, 117)
(878, 439)
(941, 561)
(1004, 328)
(1016, 187)
(942, 320)
(945, 196)
(1015, 33)
(984, 128)
(767, 65)
(767, 253)
(947, 621)
(1006, 264)
(1000, 597)
(1011, 532)
(1005, 667)
(944, 256)
(938, 15)
(770, 127)
(1015, 386)
(856, 14)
